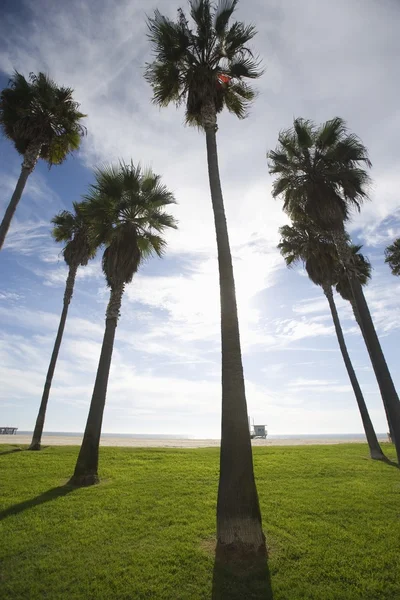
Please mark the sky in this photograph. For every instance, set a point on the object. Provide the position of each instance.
(321, 60)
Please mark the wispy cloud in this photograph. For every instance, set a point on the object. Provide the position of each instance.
(319, 385)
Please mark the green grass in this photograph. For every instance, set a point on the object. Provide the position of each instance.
(331, 517)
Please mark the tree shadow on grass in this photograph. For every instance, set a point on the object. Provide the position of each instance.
(53, 494)
(388, 461)
(391, 463)
(241, 579)
(11, 451)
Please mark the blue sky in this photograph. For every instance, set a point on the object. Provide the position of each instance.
(322, 59)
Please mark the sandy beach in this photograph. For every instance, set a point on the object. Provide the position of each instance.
(60, 440)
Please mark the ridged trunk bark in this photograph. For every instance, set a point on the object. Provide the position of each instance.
(88, 459)
(374, 447)
(69, 290)
(31, 157)
(358, 320)
(239, 527)
(388, 391)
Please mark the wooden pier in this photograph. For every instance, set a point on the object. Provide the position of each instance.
(8, 430)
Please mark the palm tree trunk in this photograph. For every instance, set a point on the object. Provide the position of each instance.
(389, 394)
(388, 391)
(239, 527)
(69, 290)
(31, 157)
(374, 447)
(358, 320)
(87, 464)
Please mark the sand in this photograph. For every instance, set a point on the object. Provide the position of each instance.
(58, 440)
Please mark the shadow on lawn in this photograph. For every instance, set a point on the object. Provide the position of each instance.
(241, 579)
(52, 494)
(11, 451)
(391, 463)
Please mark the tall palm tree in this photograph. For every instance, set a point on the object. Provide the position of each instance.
(74, 229)
(362, 270)
(43, 121)
(321, 172)
(392, 254)
(204, 65)
(126, 211)
(300, 243)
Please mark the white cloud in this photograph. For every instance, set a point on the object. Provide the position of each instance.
(384, 304)
(294, 330)
(9, 296)
(318, 386)
(42, 321)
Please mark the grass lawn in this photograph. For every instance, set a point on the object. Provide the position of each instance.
(331, 517)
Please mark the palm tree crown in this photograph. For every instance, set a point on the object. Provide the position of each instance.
(299, 242)
(125, 206)
(38, 111)
(202, 63)
(392, 254)
(320, 171)
(73, 228)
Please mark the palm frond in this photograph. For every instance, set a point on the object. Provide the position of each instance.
(200, 11)
(348, 150)
(278, 161)
(304, 133)
(245, 66)
(150, 243)
(238, 99)
(236, 38)
(64, 224)
(164, 77)
(287, 142)
(392, 256)
(169, 40)
(330, 133)
(223, 13)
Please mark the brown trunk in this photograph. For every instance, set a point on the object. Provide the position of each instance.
(87, 464)
(374, 447)
(69, 290)
(31, 157)
(239, 528)
(358, 320)
(388, 391)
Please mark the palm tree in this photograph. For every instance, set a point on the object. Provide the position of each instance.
(300, 243)
(204, 65)
(392, 254)
(320, 172)
(72, 228)
(362, 270)
(43, 121)
(126, 211)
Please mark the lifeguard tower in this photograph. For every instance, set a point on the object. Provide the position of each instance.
(258, 431)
